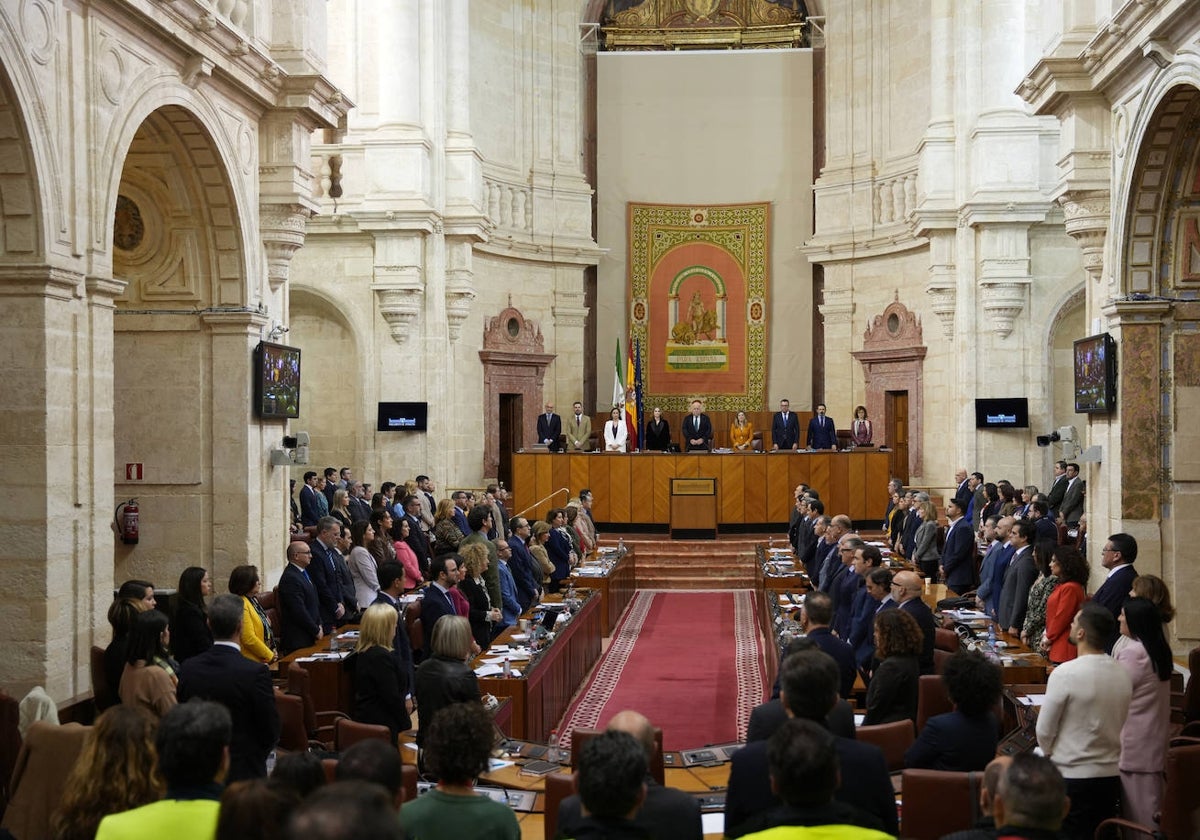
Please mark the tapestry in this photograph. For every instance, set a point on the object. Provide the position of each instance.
(698, 302)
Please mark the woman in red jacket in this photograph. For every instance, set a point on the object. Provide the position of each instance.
(1072, 572)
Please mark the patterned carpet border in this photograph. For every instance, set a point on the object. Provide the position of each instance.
(598, 690)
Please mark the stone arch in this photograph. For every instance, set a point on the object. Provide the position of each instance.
(22, 204)
(165, 108)
(331, 345)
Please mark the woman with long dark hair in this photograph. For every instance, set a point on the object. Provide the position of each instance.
(1147, 659)
(149, 679)
(189, 624)
(364, 569)
(1039, 594)
(258, 640)
(133, 597)
(1068, 596)
(892, 694)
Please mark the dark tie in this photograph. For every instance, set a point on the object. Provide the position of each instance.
(306, 577)
(432, 506)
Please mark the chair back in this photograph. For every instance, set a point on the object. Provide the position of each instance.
(940, 658)
(40, 775)
(932, 699)
(408, 781)
(329, 765)
(658, 772)
(893, 738)
(10, 743)
(293, 735)
(1191, 693)
(298, 682)
(946, 639)
(938, 802)
(756, 442)
(347, 733)
(1178, 809)
(414, 627)
(558, 787)
(273, 614)
(102, 693)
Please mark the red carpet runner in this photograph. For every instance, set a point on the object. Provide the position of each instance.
(689, 661)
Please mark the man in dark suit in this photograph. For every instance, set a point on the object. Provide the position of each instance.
(665, 812)
(1043, 525)
(822, 432)
(1118, 555)
(845, 586)
(309, 510)
(906, 590)
(697, 429)
(299, 607)
(1018, 579)
(958, 554)
(323, 572)
(549, 428)
(526, 571)
(809, 691)
(874, 599)
(462, 503)
(242, 686)
(391, 586)
(815, 616)
(360, 508)
(785, 428)
(1072, 503)
(1058, 487)
(436, 602)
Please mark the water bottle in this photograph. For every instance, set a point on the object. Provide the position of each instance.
(620, 546)
(991, 636)
(508, 666)
(552, 753)
(270, 762)
(333, 642)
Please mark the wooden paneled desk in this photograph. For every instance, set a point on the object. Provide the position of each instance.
(616, 591)
(752, 488)
(330, 685)
(541, 694)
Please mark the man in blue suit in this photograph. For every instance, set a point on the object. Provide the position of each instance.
(1118, 554)
(391, 587)
(310, 511)
(324, 574)
(436, 602)
(697, 429)
(815, 617)
(242, 686)
(958, 555)
(299, 607)
(526, 571)
(785, 428)
(822, 433)
(549, 428)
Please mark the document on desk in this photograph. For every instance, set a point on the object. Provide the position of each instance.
(1033, 699)
(967, 615)
(713, 823)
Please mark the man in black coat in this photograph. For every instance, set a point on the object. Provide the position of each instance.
(666, 812)
(1120, 550)
(809, 691)
(323, 572)
(299, 606)
(906, 590)
(697, 429)
(549, 428)
(391, 586)
(223, 675)
(436, 602)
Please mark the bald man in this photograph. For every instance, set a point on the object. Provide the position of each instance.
(906, 591)
(666, 812)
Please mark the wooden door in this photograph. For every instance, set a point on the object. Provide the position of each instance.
(896, 418)
(512, 421)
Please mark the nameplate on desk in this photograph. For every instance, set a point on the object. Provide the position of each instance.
(693, 486)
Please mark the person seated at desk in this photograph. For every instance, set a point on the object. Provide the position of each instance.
(457, 749)
(741, 433)
(380, 682)
(445, 678)
(658, 433)
(964, 739)
(616, 435)
(892, 694)
(697, 429)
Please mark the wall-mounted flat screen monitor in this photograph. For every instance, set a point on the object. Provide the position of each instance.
(276, 381)
(403, 416)
(1002, 413)
(1095, 374)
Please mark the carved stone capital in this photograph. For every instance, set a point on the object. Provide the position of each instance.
(1003, 302)
(838, 307)
(944, 295)
(282, 228)
(1086, 219)
(400, 306)
(459, 297)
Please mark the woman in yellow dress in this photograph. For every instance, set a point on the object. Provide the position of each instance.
(741, 432)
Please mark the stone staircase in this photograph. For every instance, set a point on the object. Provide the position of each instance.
(693, 564)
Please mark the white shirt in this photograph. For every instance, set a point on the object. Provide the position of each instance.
(616, 436)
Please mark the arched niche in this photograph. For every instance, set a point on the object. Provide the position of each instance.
(892, 356)
(514, 371)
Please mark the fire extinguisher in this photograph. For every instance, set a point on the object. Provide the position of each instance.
(126, 517)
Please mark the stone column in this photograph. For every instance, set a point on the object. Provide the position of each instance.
(249, 497)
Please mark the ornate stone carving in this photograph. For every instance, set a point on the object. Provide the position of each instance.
(1003, 302)
(838, 307)
(697, 24)
(1086, 219)
(514, 362)
(895, 327)
(282, 227)
(400, 307)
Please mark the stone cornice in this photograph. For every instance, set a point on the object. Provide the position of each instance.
(560, 251)
(834, 249)
(1052, 80)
